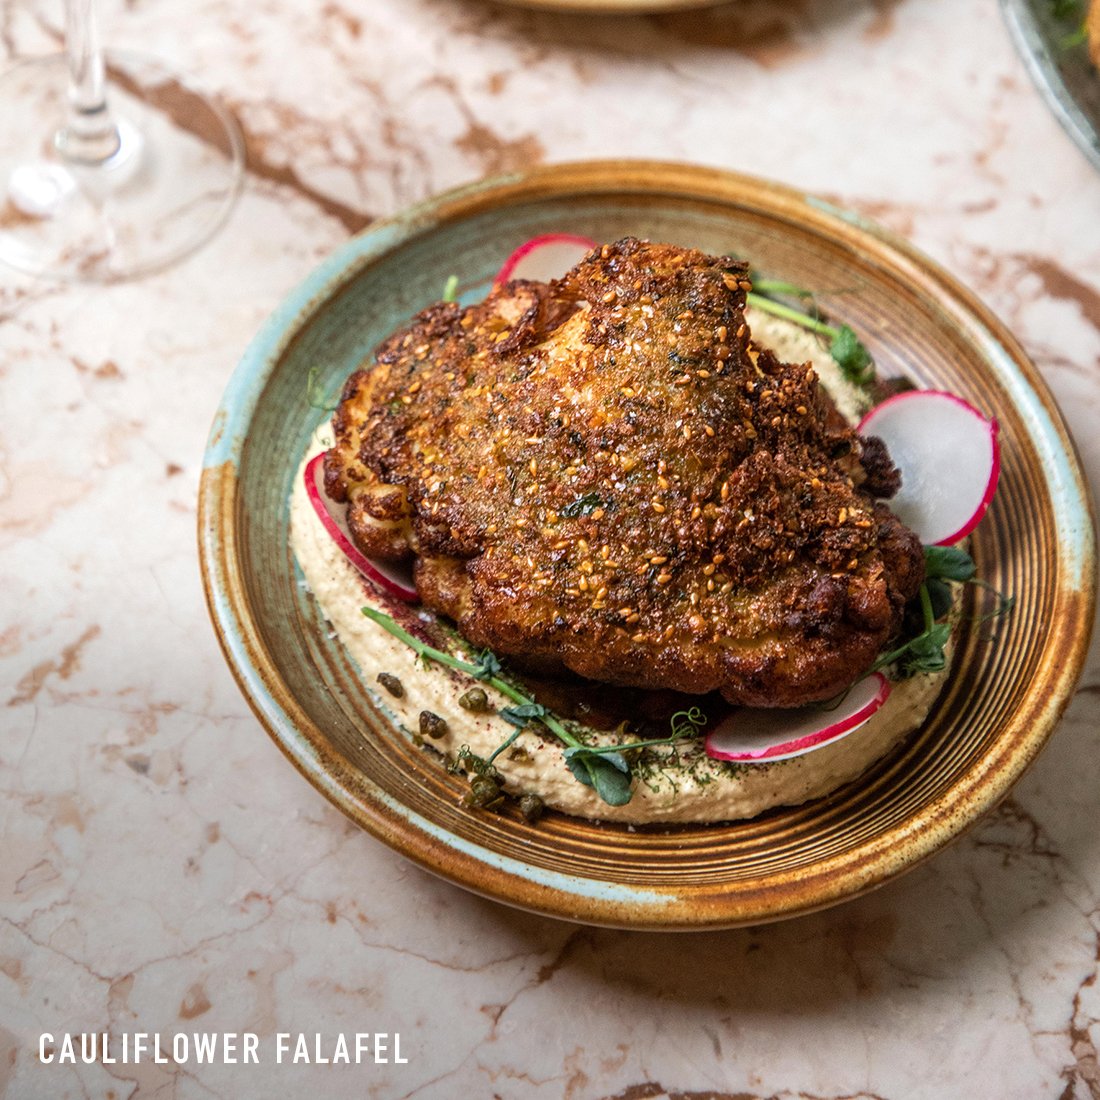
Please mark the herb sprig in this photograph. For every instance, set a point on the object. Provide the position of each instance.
(608, 776)
(604, 768)
(926, 650)
(845, 347)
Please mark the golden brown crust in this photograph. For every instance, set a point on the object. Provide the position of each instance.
(606, 473)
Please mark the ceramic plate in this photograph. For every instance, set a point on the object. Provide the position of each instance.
(1060, 67)
(1005, 693)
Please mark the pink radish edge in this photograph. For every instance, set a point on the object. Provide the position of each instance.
(391, 578)
(533, 245)
(797, 746)
(995, 467)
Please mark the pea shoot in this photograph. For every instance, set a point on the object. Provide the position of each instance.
(845, 347)
(604, 768)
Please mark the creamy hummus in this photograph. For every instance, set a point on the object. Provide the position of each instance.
(675, 783)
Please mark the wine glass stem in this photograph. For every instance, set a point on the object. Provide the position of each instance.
(89, 135)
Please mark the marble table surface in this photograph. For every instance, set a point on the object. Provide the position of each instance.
(163, 869)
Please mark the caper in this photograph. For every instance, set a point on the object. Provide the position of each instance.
(475, 699)
(392, 684)
(431, 725)
(484, 793)
(531, 806)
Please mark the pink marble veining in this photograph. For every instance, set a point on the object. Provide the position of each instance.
(164, 869)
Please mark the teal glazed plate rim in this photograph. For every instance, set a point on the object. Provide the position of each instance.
(1008, 686)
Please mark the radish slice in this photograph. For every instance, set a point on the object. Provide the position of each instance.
(546, 257)
(751, 734)
(949, 460)
(393, 578)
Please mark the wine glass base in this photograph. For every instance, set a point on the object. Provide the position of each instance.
(165, 191)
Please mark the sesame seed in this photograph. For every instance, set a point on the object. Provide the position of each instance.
(664, 578)
(658, 507)
(658, 559)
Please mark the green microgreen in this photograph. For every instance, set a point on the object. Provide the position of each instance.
(925, 651)
(590, 767)
(520, 715)
(949, 563)
(847, 350)
(450, 288)
(604, 768)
